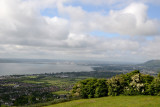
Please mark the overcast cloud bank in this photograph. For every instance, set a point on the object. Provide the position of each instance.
(26, 33)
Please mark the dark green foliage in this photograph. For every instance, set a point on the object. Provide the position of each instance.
(133, 83)
(147, 78)
(101, 88)
(127, 77)
(154, 87)
(90, 88)
(115, 85)
(21, 100)
(36, 97)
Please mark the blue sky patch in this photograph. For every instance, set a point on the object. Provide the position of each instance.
(104, 34)
(50, 12)
(154, 11)
(150, 38)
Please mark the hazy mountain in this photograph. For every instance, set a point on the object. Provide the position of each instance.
(152, 63)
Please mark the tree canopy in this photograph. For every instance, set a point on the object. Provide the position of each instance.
(132, 83)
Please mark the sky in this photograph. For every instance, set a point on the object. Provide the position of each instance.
(102, 30)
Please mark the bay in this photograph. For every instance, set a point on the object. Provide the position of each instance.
(31, 68)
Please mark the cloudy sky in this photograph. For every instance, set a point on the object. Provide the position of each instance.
(109, 30)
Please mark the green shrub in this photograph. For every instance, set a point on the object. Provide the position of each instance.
(90, 88)
(133, 83)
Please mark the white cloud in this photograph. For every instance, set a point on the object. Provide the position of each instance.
(152, 50)
(24, 32)
(115, 2)
(20, 25)
(132, 20)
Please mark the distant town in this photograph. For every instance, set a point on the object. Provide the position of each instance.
(28, 89)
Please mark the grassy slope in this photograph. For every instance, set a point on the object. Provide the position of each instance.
(118, 101)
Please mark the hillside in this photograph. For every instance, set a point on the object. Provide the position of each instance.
(118, 101)
(152, 63)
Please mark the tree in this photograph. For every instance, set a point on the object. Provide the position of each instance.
(101, 88)
(90, 88)
(115, 85)
(133, 83)
(154, 87)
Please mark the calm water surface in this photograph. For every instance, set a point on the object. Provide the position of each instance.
(29, 68)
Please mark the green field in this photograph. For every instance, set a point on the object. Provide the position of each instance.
(55, 81)
(118, 101)
(61, 92)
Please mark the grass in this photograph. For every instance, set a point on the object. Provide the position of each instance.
(61, 92)
(118, 101)
(31, 76)
(54, 81)
(33, 82)
(9, 84)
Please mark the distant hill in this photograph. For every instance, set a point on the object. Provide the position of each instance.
(152, 63)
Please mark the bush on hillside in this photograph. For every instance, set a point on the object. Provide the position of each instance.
(90, 88)
(133, 83)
